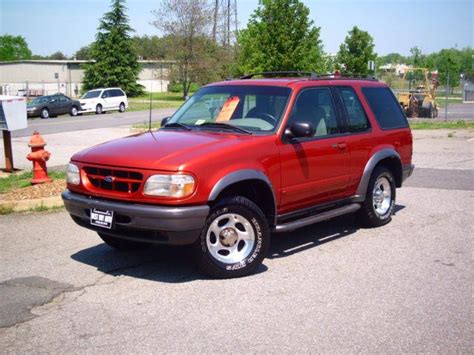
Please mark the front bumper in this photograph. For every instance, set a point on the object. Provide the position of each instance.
(139, 222)
(407, 171)
(33, 113)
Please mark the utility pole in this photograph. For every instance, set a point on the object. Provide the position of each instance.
(214, 26)
(235, 18)
(228, 23)
(446, 104)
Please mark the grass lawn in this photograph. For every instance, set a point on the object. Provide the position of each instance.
(143, 106)
(21, 180)
(434, 124)
(143, 127)
(159, 100)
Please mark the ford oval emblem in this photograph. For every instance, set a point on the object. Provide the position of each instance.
(109, 179)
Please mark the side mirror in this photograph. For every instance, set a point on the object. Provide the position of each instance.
(300, 130)
(165, 121)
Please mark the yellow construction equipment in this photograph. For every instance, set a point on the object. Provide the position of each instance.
(418, 100)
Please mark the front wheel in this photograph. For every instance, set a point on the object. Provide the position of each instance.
(45, 113)
(379, 202)
(74, 111)
(234, 240)
(98, 109)
(121, 244)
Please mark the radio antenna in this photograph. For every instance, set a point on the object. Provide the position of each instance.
(149, 115)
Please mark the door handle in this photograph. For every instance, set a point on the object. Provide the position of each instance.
(341, 145)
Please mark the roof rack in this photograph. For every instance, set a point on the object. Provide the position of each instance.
(309, 75)
(271, 74)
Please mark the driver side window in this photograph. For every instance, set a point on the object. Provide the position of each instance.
(315, 106)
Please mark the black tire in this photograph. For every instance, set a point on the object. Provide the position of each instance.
(74, 111)
(121, 244)
(44, 113)
(98, 109)
(122, 107)
(368, 215)
(257, 224)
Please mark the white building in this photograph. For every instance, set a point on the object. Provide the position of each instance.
(45, 77)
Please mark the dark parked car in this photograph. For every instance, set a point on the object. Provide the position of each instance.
(53, 105)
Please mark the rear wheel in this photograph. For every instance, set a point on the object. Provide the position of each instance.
(234, 240)
(45, 113)
(122, 107)
(98, 109)
(378, 206)
(121, 244)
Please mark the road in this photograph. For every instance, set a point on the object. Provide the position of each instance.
(327, 288)
(457, 111)
(90, 121)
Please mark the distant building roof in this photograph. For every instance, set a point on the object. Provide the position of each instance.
(71, 61)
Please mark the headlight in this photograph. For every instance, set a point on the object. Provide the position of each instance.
(73, 175)
(169, 185)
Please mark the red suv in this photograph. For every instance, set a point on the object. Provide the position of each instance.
(242, 159)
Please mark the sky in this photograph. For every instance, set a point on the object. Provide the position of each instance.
(396, 26)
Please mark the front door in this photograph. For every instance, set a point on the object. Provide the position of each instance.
(315, 169)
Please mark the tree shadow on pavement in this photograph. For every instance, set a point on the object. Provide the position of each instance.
(172, 264)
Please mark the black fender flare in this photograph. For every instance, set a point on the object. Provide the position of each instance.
(369, 167)
(241, 175)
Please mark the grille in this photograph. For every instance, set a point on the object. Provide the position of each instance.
(114, 180)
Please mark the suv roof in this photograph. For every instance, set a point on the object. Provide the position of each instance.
(291, 78)
(105, 88)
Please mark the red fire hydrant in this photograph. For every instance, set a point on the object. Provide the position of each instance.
(39, 157)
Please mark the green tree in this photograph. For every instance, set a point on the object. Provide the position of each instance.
(449, 61)
(187, 23)
(58, 56)
(356, 51)
(280, 37)
(116, 62)
(84, 53)
(13, 48)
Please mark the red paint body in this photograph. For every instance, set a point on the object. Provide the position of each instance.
(301, 176)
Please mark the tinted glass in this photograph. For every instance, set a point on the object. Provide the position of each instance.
(40, 100)
(91, 94)
(255, 108)
(385, 107)
(118, 92)
(357, 119)
(316, 107)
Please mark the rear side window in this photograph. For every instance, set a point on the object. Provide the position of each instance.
(117, 92)
(385, 107)
(357, 120)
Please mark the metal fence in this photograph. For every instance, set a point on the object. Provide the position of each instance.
(34, 89)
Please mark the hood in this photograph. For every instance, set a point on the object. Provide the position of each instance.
(160, 150)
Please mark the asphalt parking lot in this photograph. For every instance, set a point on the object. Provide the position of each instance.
(330, 287)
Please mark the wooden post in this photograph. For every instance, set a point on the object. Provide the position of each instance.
(7, 145)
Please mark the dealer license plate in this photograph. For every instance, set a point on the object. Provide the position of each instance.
(101, 218)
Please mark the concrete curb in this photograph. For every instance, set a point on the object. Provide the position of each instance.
(25, 205)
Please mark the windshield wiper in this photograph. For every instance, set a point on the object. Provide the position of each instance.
(226, 126)
(177, 124)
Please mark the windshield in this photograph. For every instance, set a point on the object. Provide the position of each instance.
(39, 100)
(253, 108)
(91, 94)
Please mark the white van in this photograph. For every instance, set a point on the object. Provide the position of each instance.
(101, 100)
